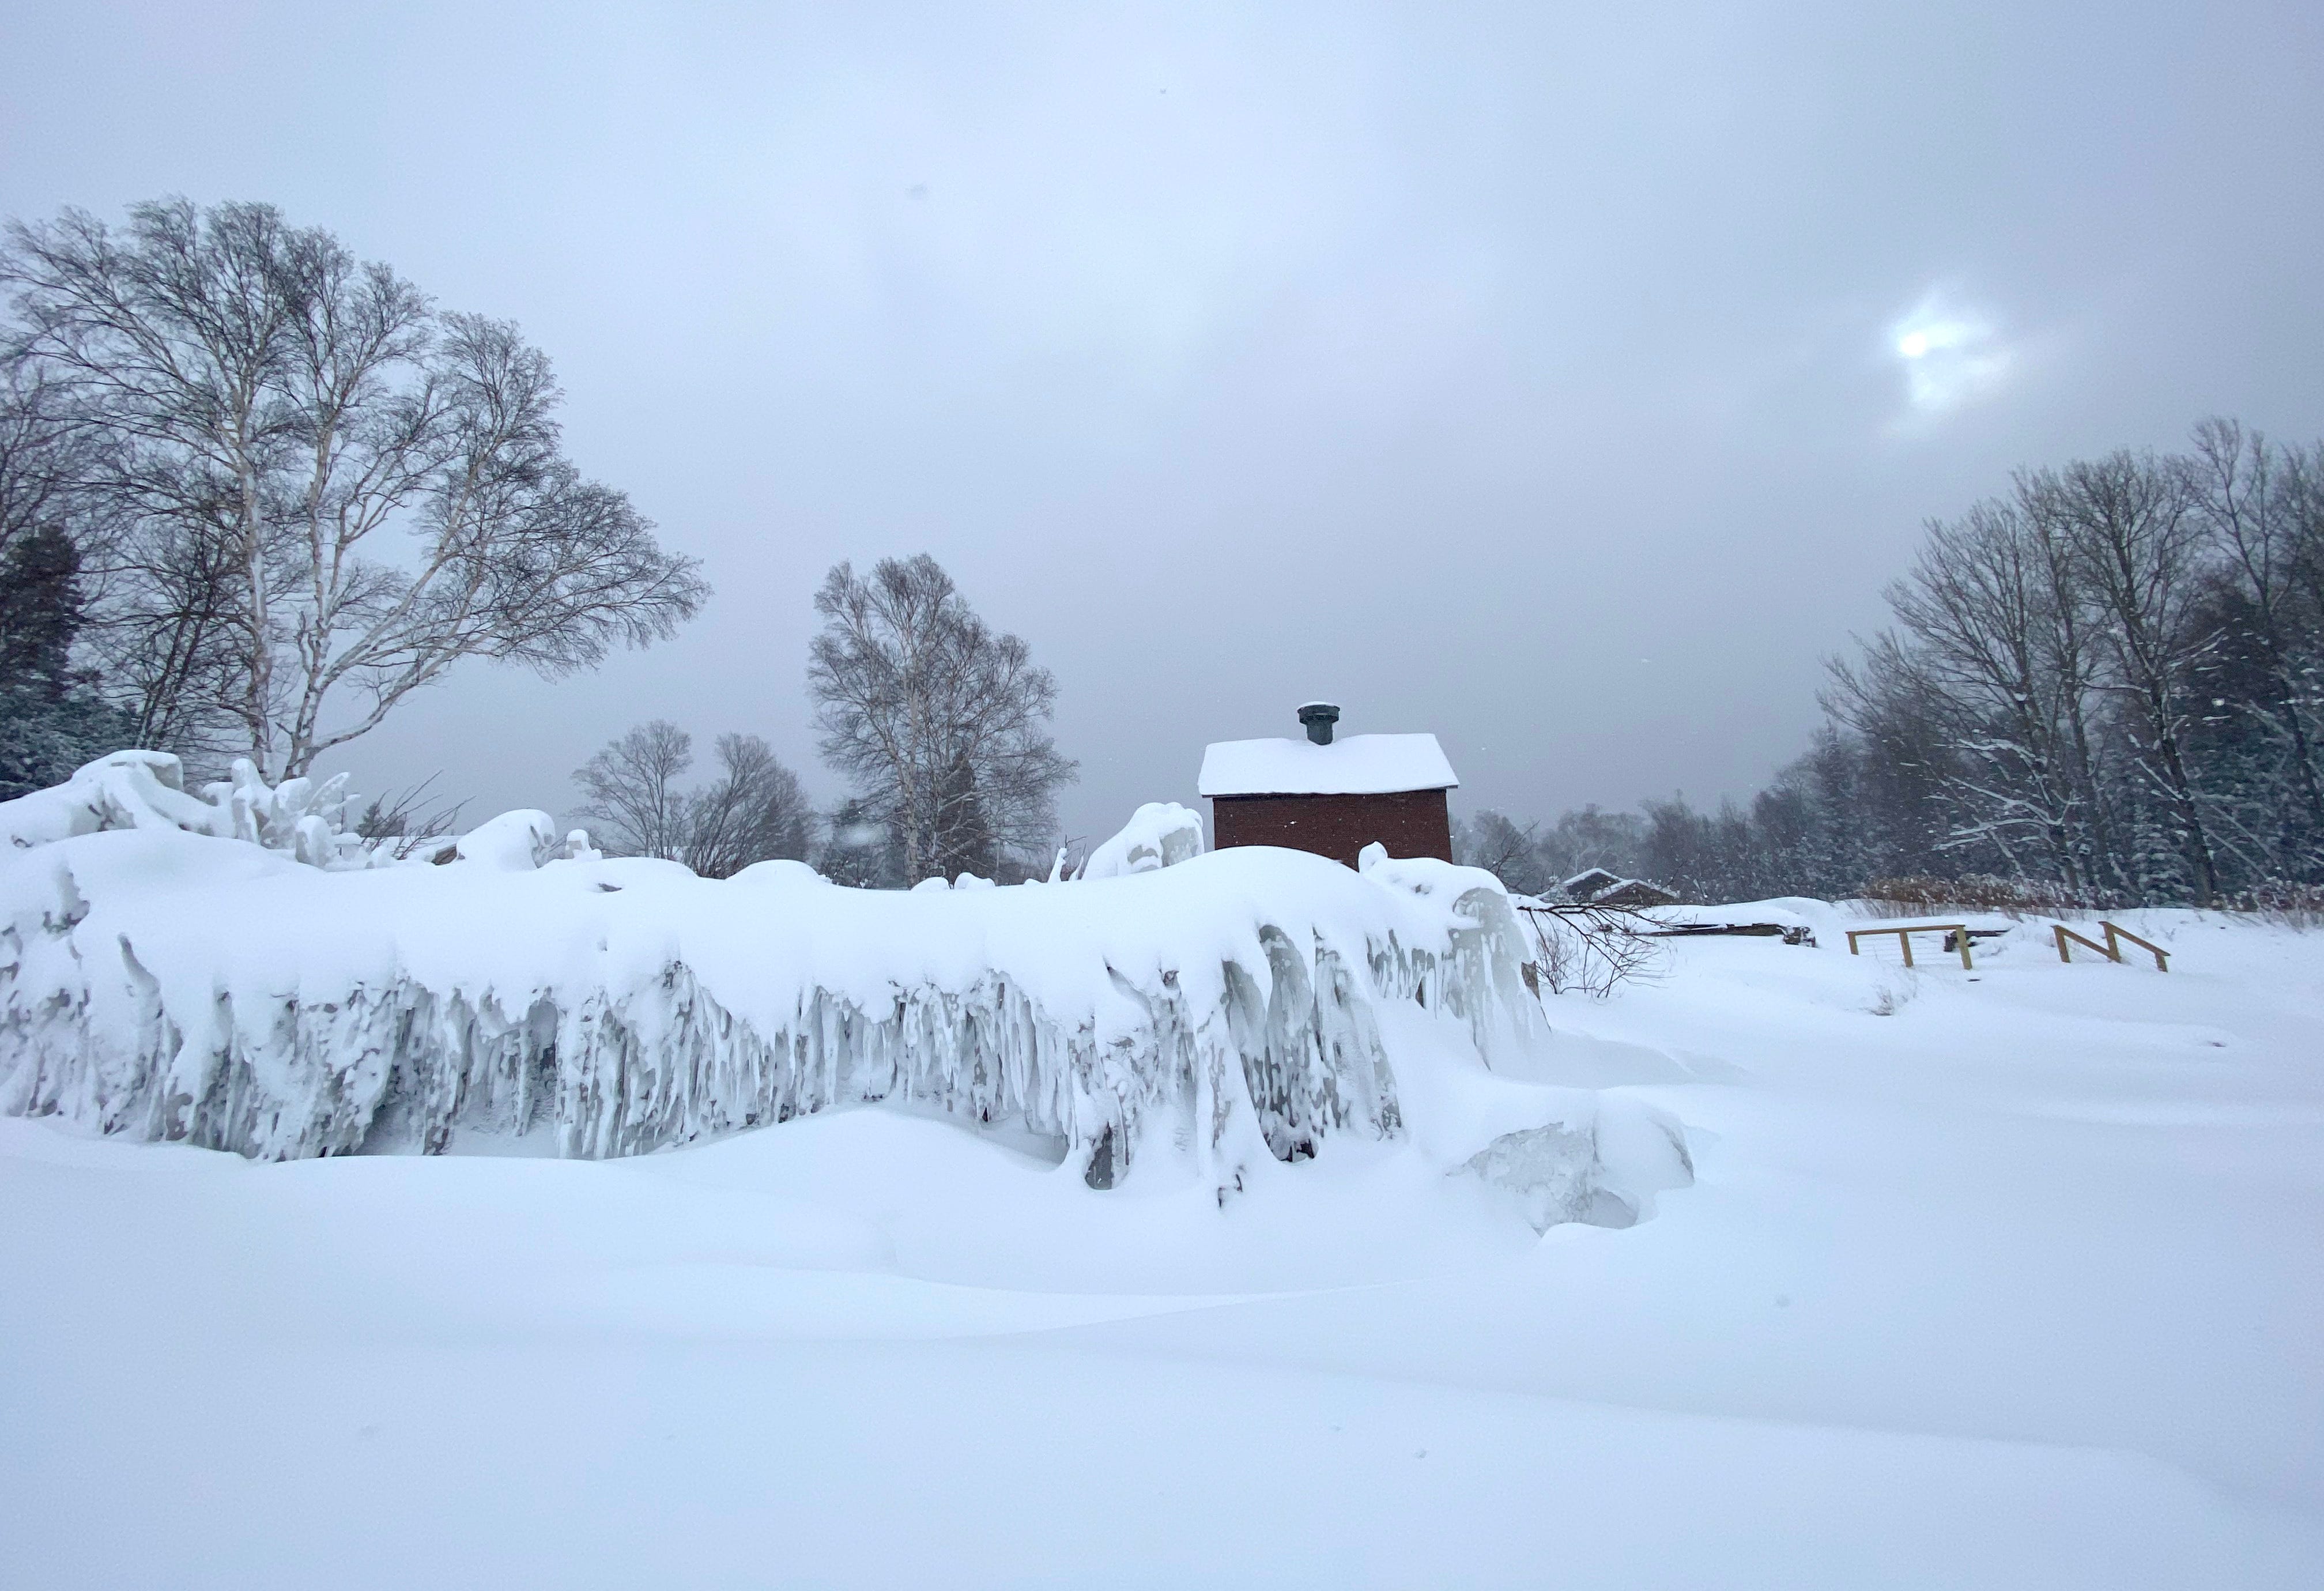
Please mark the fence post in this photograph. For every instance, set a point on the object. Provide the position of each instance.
(2114, 948)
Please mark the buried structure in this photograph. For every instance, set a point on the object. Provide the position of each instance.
(1330, 795)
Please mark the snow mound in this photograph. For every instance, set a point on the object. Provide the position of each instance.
(518, 841)
(1603, 1171)
(156, 984)
(1160, 834)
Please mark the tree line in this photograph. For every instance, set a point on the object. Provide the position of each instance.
(254, 492)
(2104, 686)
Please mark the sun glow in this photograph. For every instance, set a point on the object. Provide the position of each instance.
(1951, 354)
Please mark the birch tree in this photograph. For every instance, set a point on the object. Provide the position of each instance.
(941, 724)
(334, 491)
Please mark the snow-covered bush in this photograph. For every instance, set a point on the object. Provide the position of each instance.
(147, 790)
(158, 984)
(1160, 834)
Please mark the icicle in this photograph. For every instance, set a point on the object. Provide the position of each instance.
(1234, 1014)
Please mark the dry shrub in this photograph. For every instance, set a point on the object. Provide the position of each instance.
(2011, 897)
(2286, 905)
(412, 821)
(1589, 950)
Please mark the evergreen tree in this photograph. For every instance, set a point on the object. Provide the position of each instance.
(51, 719)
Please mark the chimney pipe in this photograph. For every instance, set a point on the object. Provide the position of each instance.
(1319, 717)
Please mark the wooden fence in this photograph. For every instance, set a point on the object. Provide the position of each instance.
(2112, 949)
(1958, 930)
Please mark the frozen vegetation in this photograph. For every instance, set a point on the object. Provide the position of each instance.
(224, 972)
(2000, 1277)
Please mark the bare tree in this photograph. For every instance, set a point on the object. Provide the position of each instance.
(632, 789)
(338, 491)
(2139, 547)
(1982, 607)
(753, 810)
(411, 822)
(2105, 686)
(43, 460)
(941, 724)
(2253, 497)
(1503, 848)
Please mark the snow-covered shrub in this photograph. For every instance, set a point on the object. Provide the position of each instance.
(518, 842)
(156, 984)
(1160, 834)
(147, 790)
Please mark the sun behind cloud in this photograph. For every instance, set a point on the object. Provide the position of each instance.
(1952, 353)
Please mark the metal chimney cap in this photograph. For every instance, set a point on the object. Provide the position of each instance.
(1319, 717)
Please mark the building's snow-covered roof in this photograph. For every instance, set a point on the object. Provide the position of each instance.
(1359, 764)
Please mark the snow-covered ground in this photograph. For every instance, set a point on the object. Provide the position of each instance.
(2017, 1284)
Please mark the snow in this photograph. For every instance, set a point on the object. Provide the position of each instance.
(147, 790)
(1601, 1173)
(188, 987)
(2012, 1286)
(1356, 764)
(1160, 834)
(515, 842)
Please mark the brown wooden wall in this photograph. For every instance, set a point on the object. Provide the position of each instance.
(1409, 823)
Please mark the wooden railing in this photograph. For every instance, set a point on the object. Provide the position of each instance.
(1958, 930)
(1959, 934)
(2112, 949)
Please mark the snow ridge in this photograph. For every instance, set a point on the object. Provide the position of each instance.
(170, 985)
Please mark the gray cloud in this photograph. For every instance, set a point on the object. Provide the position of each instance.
(1536, 376)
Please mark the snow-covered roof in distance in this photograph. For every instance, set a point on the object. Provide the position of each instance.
(1359, 764)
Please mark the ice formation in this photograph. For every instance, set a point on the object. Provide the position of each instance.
(161, 980)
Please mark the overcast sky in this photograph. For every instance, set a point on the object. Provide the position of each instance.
(1566, 379)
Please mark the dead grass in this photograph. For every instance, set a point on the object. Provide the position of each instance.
(2010, 897)
(2293, 906)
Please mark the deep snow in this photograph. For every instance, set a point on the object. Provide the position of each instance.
(188, 987)
(2013, 1286)
(1352, 765)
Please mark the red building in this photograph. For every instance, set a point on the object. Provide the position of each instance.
(1331, 796)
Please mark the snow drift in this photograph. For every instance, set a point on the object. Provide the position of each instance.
(161, 980)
